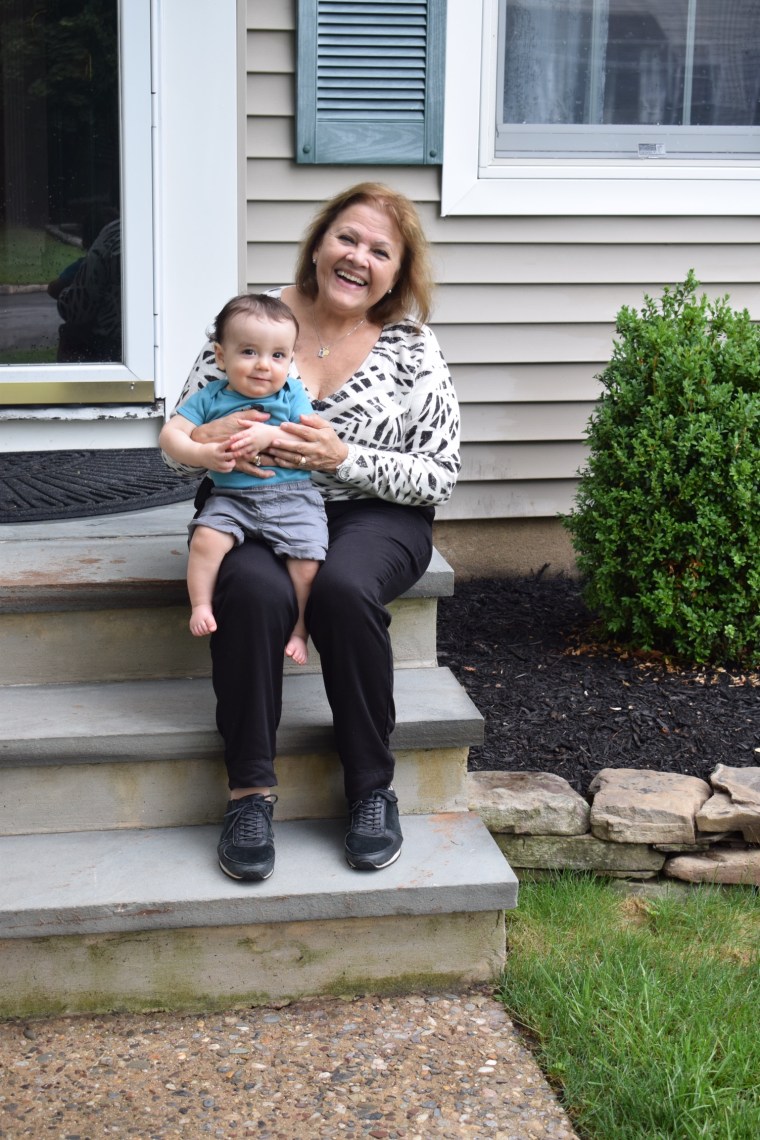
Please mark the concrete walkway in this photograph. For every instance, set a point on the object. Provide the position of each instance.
(412, 1067)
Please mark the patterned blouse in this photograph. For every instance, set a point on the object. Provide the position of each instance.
(398, 414)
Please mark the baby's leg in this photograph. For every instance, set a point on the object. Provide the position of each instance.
(302, 572)
(207, 549)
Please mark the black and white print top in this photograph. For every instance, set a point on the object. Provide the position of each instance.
(398, 414)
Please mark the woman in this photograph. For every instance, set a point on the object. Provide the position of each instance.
(383, 448)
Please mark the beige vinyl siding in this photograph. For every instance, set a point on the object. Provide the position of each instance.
(530, 422)
(278, 15)
(506, 383)
(521, 460)
(285, 217)
(525, 307)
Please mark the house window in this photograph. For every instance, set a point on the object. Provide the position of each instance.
(603, 107)
(628, 78)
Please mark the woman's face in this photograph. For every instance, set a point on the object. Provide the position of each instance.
(358, 259)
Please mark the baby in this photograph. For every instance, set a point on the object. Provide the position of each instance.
(254, 337)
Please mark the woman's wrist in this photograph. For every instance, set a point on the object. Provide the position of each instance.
(343, 470)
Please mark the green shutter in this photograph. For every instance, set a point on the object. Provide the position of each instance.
(370, 81)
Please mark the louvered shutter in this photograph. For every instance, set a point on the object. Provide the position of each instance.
(370, 81)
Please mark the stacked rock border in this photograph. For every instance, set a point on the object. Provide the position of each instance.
(635, 824)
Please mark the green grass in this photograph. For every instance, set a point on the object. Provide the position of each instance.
(645, 1013)
(28, 356)
(32, 256)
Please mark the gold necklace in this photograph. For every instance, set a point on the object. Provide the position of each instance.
(324, 349)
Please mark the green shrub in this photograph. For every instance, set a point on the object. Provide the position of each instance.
(666, 523)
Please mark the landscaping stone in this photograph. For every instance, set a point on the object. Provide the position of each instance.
(736, 803)
(720, 865)
(721, 813)
(578, 853)
(742, 784)
(638, 820)
(633, 805)
(527, 803)
(703, 843)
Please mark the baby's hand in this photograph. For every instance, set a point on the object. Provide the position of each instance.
(218, 457)
(248, 443)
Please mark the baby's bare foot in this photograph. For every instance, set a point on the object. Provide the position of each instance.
(202, 621)
(296, 649)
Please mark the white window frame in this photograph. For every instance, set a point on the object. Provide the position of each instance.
(473, 184)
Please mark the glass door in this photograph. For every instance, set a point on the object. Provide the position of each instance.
(75, 202)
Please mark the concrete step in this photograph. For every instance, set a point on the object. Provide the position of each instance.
(146, 753)
(105, 599)
(129, 559)
(131, 642)
(145, 919)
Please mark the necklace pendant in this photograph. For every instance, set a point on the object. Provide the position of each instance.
(323, 352)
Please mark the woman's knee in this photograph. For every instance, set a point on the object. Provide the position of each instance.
(254, 585)
(344, 612)
(337, 588)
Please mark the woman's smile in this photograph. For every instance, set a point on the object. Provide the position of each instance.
(352, 279)
(358, 259)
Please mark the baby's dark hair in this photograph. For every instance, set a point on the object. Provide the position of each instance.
(254, 305)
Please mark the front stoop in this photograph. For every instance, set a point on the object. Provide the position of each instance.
(145, 919)
(112, 788)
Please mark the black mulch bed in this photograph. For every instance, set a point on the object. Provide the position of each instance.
(555, 700)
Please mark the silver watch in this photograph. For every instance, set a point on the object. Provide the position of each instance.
(342, 472)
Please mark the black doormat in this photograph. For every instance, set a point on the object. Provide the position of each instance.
(42, 486)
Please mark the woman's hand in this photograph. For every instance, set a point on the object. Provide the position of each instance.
(311, 445)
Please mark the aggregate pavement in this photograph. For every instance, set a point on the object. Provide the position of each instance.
(445, 1065)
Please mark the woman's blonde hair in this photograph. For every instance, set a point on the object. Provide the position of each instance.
(413, 290)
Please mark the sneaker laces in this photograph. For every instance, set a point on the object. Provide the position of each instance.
(369, 814)
(251, 822)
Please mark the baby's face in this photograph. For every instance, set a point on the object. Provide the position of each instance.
(256, 354)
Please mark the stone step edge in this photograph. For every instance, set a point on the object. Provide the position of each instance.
(115, 572)
(175, 719)
(122, 881)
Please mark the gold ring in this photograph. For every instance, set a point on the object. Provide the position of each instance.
(257, 461)
(302, 461)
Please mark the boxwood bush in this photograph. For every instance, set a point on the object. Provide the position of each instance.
(666, 522)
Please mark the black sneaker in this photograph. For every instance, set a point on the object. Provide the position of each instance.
(374, 838)
(246, 847)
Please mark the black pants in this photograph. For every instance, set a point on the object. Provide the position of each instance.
(377, 551)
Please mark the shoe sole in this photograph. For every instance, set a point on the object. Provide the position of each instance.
(248, 876)
(366, 865)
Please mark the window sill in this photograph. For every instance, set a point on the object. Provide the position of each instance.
(633, 188)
